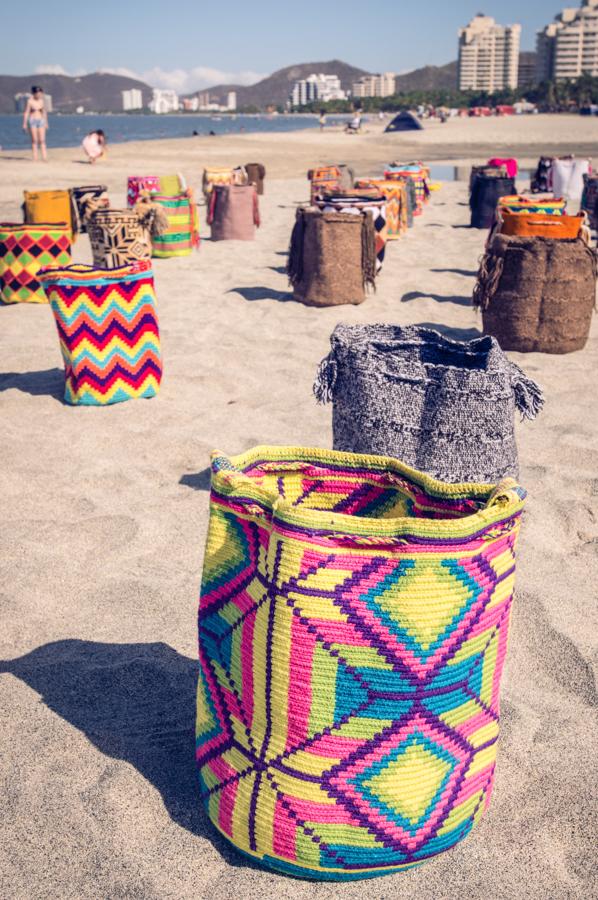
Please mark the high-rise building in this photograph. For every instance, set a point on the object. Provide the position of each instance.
(527, 69)
(164, 101)
(317, 87)
(231, 100)
(568, 47)
(375, 85)
(132, 99)
(488, 55)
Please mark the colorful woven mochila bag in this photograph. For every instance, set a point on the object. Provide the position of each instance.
(182, 235)
(167, 185)
(82, 196)
(24, 250)
(50, 207)
(353, 625)
(108, 331)
(357, 200)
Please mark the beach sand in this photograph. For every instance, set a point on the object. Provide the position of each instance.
(104, 521)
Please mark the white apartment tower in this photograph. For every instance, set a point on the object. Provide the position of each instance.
(488, 55)
(164, 101)
(568, 47)
(317, 87)
(132, 99)
(375, 85)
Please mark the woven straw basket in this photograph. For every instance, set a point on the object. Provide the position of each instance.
(352, 631)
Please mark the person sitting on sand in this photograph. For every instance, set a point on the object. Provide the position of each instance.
(354, 126)
(95, 145)
(35, 120)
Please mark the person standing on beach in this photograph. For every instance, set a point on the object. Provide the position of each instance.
(35, 120)
(322, 119)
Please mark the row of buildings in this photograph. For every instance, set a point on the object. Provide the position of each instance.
(321, 88)
(167, 101)
(489, 57)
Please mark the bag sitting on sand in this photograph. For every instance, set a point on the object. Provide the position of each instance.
(119, 237)
(567, 177)
(485, 196)
(548, 206)
(397, 204)
(537, 294)
(416, 173)
(589, 199)
(108, 331)
(50, 208)
(256, 173)
(24, 250)
(353, 626)
(234, 212)
(541, 182)
(166, 185)
(489, 171)
(332, 257)
(329, 177)
(213, 175)
(81, 196)
(509, 164)
(445, 407)
(181, 236)
(541, 225)
(358, 200)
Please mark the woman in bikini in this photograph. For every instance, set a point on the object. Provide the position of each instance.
(35, 120)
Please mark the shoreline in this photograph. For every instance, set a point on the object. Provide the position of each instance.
(462, 139)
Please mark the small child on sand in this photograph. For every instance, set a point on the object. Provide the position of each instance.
(94, 145)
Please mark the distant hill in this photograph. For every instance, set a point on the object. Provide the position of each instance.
(96, 92)
(429, 78)
(275, 89)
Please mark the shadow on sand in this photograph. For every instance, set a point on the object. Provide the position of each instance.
(198, 481)
(261, 293)
(46, 382)
(440, 298)
(134, 702)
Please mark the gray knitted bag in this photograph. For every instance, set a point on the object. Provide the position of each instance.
(444, 407)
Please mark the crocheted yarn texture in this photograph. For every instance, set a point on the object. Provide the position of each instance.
(352, 631)
(446, 407)
(24, 250)
(108, 330)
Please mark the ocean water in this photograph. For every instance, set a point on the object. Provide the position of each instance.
(69, 131)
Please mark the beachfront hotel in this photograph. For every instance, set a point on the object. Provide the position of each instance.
(568, 47)
(488, 55)
(375, 85)
(317, 87)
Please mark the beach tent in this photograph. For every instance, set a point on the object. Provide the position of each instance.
(404, 121)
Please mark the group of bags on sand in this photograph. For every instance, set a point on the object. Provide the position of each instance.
(536, 284)
(339, 241)
(355, 602)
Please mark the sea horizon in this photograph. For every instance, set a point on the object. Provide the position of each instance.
(69, 129)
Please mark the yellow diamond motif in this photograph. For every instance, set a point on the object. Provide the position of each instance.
(425, 600)
(410, 782)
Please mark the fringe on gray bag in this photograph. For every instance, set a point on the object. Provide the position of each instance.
(444, 407)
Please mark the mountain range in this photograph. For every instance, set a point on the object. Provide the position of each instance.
(275, 89)
(101, 92)
(98, 92)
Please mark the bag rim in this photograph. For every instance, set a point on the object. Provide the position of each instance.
(503, 500)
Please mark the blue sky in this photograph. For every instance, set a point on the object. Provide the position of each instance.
(188, 44)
